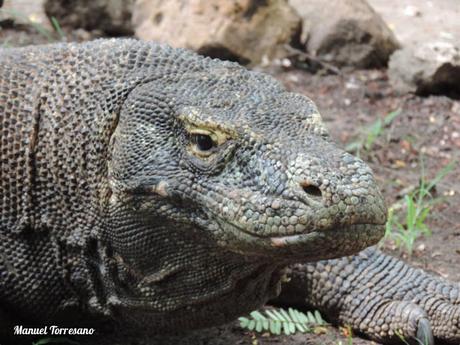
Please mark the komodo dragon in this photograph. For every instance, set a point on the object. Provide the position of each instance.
(152, 188)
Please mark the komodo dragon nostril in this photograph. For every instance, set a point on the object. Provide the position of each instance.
(312, 191)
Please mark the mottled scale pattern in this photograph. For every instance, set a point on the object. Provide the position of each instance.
(377, 295)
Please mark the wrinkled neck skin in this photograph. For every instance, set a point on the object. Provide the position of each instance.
(155, 272)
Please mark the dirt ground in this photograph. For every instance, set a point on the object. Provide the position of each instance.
(419, 21)
(426, 127)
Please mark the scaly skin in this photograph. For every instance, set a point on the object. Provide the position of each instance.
(151, 188)
(378, 296)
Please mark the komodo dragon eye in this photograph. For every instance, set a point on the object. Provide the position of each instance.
(203, 142)
(205, 138)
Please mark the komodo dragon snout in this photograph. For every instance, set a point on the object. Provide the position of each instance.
(232, 155)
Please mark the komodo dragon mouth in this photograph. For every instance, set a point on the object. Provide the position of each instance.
(314, 245)
(306, 244)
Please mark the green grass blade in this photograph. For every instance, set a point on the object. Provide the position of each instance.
(57, 28)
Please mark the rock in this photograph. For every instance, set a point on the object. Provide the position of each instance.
(344, 33)
(417, 22)
(246, 31)
(112, 17)
(341, 32)
(23, 12)
(430, 68)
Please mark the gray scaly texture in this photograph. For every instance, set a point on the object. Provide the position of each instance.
(152, 188)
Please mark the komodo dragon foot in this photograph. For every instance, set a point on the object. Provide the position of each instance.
(379, 296)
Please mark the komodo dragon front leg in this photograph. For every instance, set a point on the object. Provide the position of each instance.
(378, 296)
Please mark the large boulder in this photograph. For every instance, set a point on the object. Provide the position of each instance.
(341, 32)
(430, 68)
(241, 30)
(344, 32)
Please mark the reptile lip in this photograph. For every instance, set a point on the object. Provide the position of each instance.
(343, 241)
(283, 241)
(280, 241)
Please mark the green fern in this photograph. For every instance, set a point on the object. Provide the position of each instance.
(277, 321)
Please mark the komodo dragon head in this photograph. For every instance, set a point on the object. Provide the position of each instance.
(219, 178)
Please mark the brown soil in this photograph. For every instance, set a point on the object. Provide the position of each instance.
(349, 102)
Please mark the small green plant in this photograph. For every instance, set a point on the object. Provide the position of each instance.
(58, 29)
(42, 30)
(349, 336)
(277, 321)
(405, 342)
(6, 43)
(402, 338)
(406, 219)
(371, 134)
(348, 332)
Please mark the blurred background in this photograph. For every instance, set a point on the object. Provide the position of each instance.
(385, 75)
